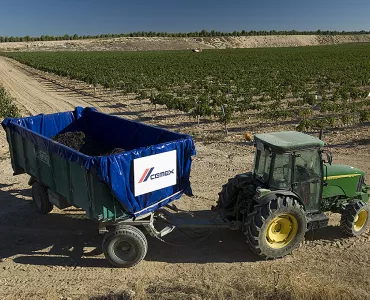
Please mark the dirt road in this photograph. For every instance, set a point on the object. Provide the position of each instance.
(45, 97)
(58, 256)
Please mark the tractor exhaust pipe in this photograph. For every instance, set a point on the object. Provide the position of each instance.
(320, 134)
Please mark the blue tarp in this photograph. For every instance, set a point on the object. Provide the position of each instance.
(138, 139)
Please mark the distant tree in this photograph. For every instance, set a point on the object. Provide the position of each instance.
(75, 36)
(203, 33)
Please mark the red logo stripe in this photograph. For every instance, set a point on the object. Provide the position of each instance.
(142, 177)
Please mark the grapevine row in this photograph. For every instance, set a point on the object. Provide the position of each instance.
(318, 85)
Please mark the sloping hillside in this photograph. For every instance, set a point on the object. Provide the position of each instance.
(177, 43)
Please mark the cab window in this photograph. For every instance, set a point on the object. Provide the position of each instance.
(282, 174)
(263, 163)
(307, 165)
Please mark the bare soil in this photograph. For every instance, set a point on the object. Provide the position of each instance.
(182, 43)
(58, 256)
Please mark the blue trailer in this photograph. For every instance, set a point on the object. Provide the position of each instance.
(120, 191)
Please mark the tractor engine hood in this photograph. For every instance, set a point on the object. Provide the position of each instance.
(341, 180)
(336, 171)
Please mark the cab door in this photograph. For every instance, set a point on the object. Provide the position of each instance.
(308, 178)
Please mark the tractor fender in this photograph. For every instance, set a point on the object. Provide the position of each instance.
(273, 194)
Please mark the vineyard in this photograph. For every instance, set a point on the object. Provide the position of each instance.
(7, 106)
(319, 87)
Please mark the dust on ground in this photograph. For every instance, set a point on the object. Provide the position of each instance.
(58, 256)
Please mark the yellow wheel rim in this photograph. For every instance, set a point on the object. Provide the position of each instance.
(360, 220)
(281, 231)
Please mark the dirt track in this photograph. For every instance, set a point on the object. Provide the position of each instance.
(35, 95)
(57, 256)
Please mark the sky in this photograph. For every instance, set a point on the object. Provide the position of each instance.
(93, 17)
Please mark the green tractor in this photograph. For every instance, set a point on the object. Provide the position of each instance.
(290, 187)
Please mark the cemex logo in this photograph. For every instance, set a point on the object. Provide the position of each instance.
(148, 174)
(155, 172)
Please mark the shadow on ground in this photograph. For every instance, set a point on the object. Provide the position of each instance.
(330, 233)
(351, 143)
(68, 238)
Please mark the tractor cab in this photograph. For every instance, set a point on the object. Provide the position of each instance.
(290, 161)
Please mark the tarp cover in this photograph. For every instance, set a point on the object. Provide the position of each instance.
(138, 139)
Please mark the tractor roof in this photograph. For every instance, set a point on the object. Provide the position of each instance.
(288, 140)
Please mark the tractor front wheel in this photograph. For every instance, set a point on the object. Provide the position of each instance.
(355, 218)
(276, 228)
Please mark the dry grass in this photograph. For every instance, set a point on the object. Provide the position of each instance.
(287, 287)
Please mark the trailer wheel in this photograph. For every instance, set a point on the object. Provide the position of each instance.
(276, 228)
(355, 218)
(125, 246)
(40, 198)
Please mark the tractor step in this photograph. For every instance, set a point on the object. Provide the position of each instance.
(316, 221)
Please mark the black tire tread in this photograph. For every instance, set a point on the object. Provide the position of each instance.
(348, 217)
(46, 206)
(129, 231)
(228, 190)
(258, 217)
(231, 190)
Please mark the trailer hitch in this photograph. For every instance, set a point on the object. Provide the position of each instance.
(153, 231)
(147, 224)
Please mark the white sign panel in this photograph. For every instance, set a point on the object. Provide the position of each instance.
(155, 172)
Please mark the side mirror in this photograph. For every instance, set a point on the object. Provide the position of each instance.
(329, 157)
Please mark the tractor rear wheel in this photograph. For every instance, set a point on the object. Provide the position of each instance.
(231, 190)
(355, 218)
(276, 228)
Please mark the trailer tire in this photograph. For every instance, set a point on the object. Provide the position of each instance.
(125, 246)
(355, 218)
(40, 198)
(276, 228)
